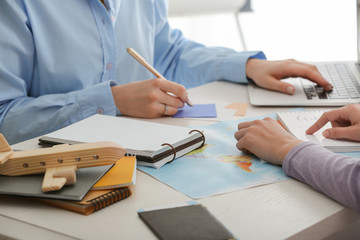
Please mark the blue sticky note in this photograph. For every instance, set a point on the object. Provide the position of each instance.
(197, 111)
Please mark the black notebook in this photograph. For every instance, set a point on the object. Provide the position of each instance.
(185, 222)
(153, 144)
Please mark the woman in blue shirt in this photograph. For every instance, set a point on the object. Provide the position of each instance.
(63, 61)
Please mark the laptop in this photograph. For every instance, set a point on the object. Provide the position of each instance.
(344, 76)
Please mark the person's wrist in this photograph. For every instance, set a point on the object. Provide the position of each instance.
(115, 90)
(251, 67)
(286, 148)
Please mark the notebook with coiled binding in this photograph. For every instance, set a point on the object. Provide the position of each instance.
(93, 201)
(153, 144)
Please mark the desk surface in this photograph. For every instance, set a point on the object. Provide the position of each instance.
(273, 211)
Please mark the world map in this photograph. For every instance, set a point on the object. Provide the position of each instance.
(218, 167)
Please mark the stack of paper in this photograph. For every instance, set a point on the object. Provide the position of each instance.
(153, 144)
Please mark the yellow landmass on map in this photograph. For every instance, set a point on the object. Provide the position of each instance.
(242, 161)
(199, 150)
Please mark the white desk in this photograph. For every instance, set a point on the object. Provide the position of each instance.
(274, 211)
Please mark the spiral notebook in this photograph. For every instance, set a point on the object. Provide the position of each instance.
(153, 144)
(93, 201)
(297, 122)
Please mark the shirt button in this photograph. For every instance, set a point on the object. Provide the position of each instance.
(99, 111)
(103, 21)
(108, 66)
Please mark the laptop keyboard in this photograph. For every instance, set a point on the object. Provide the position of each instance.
(340, 76)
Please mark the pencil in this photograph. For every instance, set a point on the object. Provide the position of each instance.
(143, 62)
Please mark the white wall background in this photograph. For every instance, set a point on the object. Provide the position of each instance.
(307, 30)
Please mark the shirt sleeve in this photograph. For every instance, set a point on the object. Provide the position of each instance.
(23, 116)
(191, 63)
(335, 175)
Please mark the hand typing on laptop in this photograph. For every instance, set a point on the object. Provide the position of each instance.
(267, 74)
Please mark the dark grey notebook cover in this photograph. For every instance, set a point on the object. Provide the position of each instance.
(30, 185)
(188, 222)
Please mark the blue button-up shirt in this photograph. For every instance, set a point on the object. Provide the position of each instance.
(59, 59)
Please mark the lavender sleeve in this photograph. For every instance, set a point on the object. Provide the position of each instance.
(335, 175)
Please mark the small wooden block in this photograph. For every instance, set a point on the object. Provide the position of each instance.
(68, 173)
(56, 178)
(5, 150)
(240, 107)
(4, 156)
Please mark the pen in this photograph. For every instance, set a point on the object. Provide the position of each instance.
(143, 62)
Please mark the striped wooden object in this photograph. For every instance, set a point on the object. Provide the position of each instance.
(60, 161)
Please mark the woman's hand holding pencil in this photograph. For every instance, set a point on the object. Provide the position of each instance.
(149, 98)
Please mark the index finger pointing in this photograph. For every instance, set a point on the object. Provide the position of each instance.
(316, 126)
(325, 118)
